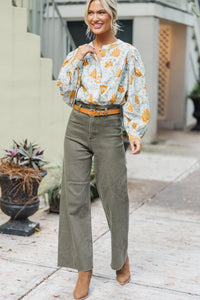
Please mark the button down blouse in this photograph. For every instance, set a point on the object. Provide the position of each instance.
(119, 78)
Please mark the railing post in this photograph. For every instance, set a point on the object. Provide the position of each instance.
(35, 17)
(44, 18)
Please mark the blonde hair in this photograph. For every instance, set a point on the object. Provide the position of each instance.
(111, 8)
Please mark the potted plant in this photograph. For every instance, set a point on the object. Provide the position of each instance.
(194, 95)
(21, 171)
(93, 187)
(51, 187)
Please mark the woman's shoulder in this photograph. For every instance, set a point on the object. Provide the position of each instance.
(130, 48)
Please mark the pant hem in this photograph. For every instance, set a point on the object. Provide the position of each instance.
(119, 268)
(74, 267)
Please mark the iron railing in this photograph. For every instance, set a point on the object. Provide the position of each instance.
(44, 19)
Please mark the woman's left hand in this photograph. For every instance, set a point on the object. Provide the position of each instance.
(136, 146)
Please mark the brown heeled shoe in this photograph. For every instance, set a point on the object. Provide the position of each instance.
(82, 285)
(123, 275)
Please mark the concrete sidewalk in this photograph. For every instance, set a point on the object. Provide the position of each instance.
(164, 235)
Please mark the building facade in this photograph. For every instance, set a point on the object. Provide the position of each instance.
(166, 32)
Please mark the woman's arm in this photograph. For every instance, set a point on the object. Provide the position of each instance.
(136, 108)
(69, 77)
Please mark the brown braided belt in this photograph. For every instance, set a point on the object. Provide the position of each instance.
(97, 113)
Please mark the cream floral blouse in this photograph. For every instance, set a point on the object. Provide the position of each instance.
(118, 78)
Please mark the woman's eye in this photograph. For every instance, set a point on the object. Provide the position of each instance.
(102, 12)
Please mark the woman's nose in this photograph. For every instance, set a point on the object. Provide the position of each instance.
(95, 17)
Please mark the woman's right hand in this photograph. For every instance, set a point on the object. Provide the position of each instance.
(83, 50)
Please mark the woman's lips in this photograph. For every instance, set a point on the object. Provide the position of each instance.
(96, 26)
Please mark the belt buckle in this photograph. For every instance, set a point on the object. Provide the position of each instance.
(91, 110)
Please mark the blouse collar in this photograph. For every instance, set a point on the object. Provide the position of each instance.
(107, 46)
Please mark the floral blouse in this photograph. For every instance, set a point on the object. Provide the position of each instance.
(118, 78)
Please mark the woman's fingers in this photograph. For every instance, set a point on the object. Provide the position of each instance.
(83, 50)
(136, 146)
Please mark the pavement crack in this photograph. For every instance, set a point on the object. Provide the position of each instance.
(148, 285)
(17, 260)
(101, 235)
(33, 288)
(176, 179)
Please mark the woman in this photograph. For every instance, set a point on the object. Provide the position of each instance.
(97, 79)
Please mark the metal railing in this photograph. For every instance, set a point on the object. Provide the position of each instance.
(45, 19)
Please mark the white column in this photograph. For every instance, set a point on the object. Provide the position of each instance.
(145, 39)
(176, 109)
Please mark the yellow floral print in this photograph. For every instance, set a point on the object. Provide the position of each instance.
(145, 116)
(93, 74)
(85, 62)
(131, 79)
(70, 75)
(113, 46)
(103, 52)
(133, 137)
(103, 88)
(137, 101)
(108, 64)
(79, 80)
(72, 94)
(119, 72)
(73, 60)
(98, 79)
(135, 125)
(130, 107)
(84, 89)
(138, 73)
(90, 98)
(121, 89)
(113, 98)
(119, 78)
(116, 52)
(65, 62)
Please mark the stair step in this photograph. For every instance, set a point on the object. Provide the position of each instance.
(20, 19)
(27, 56)
(46, 69)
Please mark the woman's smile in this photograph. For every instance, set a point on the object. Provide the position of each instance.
(98, 19)
(97, 25)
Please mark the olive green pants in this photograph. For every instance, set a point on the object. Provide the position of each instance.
(86, 136)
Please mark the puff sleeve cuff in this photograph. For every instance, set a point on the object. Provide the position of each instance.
(136, 108)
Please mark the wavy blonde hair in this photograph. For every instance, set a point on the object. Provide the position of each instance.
(111, 8)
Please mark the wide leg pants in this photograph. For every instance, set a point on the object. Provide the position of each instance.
(86, 136)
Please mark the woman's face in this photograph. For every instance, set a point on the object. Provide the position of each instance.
(98, 19)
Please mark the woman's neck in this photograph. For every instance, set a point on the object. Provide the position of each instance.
(101, 40)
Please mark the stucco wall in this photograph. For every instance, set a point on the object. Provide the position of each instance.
(30, 105)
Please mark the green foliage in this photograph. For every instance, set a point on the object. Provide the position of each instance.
(51, 184)
(26, 155)
(195, 93)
